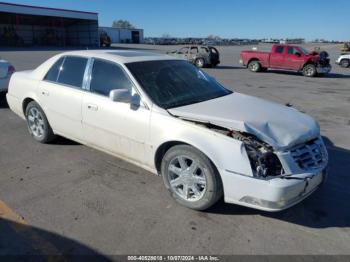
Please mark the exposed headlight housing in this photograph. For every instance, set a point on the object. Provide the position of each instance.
(263, 160)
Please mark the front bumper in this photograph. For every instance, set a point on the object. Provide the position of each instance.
(324, 69)
(275, 194)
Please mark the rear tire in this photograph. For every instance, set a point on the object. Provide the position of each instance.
(345, 63)
(38, 125)
(309, 70)
(254, 66)
(191, 178)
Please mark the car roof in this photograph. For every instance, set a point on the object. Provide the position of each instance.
(121, 56)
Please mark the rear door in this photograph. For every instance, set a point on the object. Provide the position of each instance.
(277, 57)
(193, 53)
(294, 58)
(61, 93)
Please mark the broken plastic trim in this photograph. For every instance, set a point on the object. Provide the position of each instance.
(263, 160)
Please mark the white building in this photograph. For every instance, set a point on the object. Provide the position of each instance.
(120, 35)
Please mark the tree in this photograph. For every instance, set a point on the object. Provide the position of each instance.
(122, 24)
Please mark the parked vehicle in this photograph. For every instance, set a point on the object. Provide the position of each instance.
(6, 70)
(287, 57)
(200, 56)
(344, 60)
(173, 119)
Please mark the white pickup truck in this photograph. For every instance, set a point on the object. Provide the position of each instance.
(344, 60)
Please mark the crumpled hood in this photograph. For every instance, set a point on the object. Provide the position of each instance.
(279, 126)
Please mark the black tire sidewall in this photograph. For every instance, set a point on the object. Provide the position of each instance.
(213, 187)
(48, 133)
(345, 63)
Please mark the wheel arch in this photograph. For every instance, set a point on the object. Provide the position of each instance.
(345, 59)
(253, 59)
(308, 62)
(25, 103)
(161, 151)
(163, 148)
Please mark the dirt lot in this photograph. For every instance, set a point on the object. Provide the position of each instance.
(74, 200)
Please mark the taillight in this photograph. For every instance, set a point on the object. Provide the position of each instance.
(10, 70)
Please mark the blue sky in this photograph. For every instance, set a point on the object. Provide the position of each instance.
(227, 18)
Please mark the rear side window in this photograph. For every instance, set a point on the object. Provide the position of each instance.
(204, 49)
(194, 50)
(52, 74)
(107, 76)
(279, 49)
(72, 71)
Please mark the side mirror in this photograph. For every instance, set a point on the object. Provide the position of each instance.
(120, 95)
(298, 54)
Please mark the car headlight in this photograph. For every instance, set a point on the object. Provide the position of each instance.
(263, 160)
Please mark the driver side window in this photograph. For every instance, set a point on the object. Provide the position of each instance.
(107, 76)
(291, 51)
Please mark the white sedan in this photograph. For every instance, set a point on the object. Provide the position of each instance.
(6, 70)
(173, 119)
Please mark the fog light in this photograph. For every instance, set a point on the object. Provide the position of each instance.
(264, 203)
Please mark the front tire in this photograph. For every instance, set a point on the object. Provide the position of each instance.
(310, 70)
(191, 178)
(345, 63)
(38, 125)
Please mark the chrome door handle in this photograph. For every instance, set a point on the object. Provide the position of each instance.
(92, 107)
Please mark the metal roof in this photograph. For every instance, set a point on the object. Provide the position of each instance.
(46, 11)
(121, 56)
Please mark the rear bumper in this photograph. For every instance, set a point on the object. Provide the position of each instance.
(271, 195)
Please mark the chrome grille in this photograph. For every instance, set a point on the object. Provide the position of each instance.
(310, 155)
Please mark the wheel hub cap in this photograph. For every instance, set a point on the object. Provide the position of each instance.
(186, 178)
(36, 122)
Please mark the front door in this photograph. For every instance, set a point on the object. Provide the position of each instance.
(294, 59)
(115, 127)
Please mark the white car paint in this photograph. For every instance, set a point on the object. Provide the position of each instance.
(96, 121)
(4, 75)
(346, 56)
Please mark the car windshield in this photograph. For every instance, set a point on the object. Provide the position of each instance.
(302, 49)
(174, 83)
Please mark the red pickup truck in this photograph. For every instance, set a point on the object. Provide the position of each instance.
(287, 57)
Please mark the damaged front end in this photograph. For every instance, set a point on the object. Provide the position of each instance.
(264, 162)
